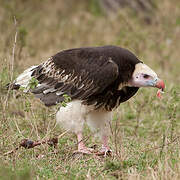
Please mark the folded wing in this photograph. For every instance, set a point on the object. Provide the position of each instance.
(79, 73)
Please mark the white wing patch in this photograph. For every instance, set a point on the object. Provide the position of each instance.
(24, 78)
(59, 93)
(60, 75)
(49, 90)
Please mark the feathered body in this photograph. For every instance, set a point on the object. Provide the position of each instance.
(97, 76)
(97, 79)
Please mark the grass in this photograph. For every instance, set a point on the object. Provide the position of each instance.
(145, 135)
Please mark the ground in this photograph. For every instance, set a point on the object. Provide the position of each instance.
(145, 131)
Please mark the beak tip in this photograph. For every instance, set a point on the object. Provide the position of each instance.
(160, 84)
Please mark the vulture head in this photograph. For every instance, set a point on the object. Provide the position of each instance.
(144, 76)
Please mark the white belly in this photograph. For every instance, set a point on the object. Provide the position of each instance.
(73, 116)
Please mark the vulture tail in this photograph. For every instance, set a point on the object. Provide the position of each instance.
(23, 79)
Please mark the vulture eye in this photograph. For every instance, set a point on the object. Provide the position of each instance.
(145, 76)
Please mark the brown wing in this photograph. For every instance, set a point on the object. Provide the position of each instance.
(80, 73)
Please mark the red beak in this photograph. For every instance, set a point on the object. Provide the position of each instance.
(160, 84)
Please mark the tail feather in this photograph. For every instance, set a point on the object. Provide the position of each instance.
(23, 79)
(46, 92)
(12, 86)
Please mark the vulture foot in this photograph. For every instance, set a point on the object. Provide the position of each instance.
(104, 152)
(84, 150)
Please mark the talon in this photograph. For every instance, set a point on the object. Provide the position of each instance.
(105, 151)
(84, 150)
(108, 152)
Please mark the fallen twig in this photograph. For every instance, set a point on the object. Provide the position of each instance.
(28, 144)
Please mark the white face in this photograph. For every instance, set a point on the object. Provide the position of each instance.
(143, 76)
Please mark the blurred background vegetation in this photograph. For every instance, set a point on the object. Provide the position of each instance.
(150, 29)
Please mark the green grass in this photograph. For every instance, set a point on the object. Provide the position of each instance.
(145, 130)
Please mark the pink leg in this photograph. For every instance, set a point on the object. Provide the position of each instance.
(105, 148)
(105, 141)
(81, 146)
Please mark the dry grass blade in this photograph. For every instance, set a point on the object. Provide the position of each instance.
(12, 63)
(162, 146)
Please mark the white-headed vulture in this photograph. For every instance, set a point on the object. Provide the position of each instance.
(96, 79)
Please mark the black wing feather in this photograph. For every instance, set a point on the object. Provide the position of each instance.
(80, 73)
